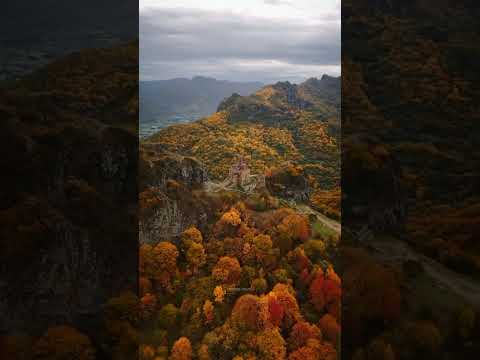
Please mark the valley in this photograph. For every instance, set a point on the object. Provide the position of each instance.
(176, 101)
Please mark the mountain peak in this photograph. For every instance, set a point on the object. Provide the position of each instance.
(327, 88)
(326, 77)
(284, 85)
(282, 99)
(203, 78)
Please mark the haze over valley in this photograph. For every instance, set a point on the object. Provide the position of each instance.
(181, 100)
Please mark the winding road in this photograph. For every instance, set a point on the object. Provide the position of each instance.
(397, 251)
(331, 224)
(394, 251)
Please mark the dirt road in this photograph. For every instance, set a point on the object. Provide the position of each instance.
(397, 251)
(331, 224)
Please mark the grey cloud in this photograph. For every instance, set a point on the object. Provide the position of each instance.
(183, 41)
(277, 2)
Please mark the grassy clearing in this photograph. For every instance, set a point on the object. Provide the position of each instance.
(321, 231)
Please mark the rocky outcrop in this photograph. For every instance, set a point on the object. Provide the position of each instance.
(289, 183)
(278, 103)
(327, 88)
(167, 218)
(291, 95)
(168, 199)
(158, 167)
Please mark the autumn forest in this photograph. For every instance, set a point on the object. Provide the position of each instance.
(254, 180)
(239, 231)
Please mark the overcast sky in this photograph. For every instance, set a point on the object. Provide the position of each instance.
(244, 40)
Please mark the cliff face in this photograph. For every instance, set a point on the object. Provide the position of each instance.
(289, 93)
(165, 221)
(159, 167)
(169, 200)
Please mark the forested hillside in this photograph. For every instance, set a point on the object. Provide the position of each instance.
(232, 266)
(283, 129)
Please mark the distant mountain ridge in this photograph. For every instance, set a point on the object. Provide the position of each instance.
(283, 99)
(187, 99)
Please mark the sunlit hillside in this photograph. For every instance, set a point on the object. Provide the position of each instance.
(280, 126)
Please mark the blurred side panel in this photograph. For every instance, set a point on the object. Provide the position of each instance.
(68, 198)
(410, 179)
